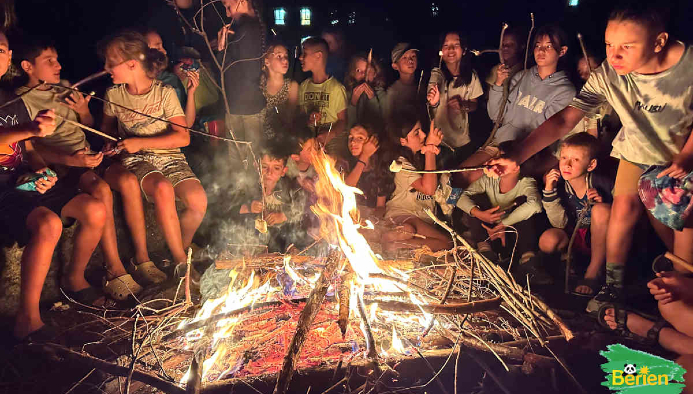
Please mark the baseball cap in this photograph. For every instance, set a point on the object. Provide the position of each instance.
(400, 49)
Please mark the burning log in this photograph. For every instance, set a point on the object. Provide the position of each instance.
(344, 293)
(454, 309)
(308, 314)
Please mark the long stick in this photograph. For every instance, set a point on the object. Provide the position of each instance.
(308, 314)
(456, 309)
(529, 37)
(500, 46)
(85, 127)
(397, 167)
(679, 261)
(584, 51)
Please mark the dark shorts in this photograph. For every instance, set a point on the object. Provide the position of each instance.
(16, 205)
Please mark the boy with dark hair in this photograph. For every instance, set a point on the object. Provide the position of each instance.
(68, 151)
(402, 93)
(648, 80)
(322, 96)
(514, 201)
(575, 192)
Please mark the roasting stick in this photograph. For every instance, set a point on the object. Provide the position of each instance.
(679, 261)
(500, 46)
(584, 51)
(529, 37)
(85, 127)
(397, 167)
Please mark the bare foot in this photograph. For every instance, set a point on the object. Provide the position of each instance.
(635, 323)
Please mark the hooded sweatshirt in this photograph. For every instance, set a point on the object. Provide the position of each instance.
(531, 101)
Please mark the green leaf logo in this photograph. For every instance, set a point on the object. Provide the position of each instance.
(631, 371)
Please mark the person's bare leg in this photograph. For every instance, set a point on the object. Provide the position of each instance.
(45, 228)
(686, 361)
(599, 223)
(160, 191)
(666, 234)
(436, 240)
(193, 196)
(464, 179)
(669, 338)
(97, 188)
(625, 212)
(683, 246)
(91, 215)
(125, 182)
(553, 240)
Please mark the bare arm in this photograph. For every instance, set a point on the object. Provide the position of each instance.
(34, 158)
(293, 94)
(184, 4)
(550, 131)
(428, 183)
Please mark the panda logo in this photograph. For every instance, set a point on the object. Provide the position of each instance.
(630, 369)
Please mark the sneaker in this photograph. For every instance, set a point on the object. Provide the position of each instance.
(608, 294)
(537, 275)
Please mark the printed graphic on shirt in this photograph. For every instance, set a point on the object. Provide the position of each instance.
(530, 102)
(10, 154)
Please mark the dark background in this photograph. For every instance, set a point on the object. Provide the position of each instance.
(77, 25)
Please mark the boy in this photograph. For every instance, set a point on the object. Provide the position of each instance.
(514, 201)
(403, 92)
(648, 80)
(322, 97)
(69, 152)
(282, 206)
(567, 192)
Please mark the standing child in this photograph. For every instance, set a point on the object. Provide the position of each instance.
(569, 190)
(365, 93)
(414, 192)
(453, 91)
(280, 91)
(514, 201)
(403, 92)
(151, 148)
(648, 80)
(322, 97)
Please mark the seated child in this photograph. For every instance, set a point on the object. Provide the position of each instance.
(68, 152)
(567, 191)
(405, 91)
(365, 93)
(414, 192)
(276, 210)
(514, 201)
(367, 170)
(151, 148)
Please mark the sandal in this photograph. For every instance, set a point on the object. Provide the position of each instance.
(652, 337)
(146, 273)
(86, 296)
(121, 287)
(593, 283)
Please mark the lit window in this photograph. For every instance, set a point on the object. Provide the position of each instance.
(305, 16)
(280, 16)
(573, 3)
(352, 18)
(435, 9)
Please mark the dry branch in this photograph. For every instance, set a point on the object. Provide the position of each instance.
(455, 309)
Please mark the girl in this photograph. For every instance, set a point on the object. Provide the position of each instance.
(535, 95)
(365, 93)
(366, 170)
(151, 149)
(414, 192)
(452, 93)
(242, 56)
(280, 92)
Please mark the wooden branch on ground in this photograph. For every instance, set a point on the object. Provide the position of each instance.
(308, 314)
(113, 369)
(454, 309)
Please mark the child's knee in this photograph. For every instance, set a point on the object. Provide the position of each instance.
(127, 183)
(196, 200)
(626, 208)
(162, 191)
(600, 213)
(94, 213)
(550, 241)
(45, 225)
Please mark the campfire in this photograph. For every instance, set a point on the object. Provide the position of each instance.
(341, 309)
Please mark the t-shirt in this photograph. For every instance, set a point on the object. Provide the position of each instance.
(11, 155)
(455, 128)
(328, 98)
(656, 110)
(160, 102)
(405, 200)
(491, 187)
(400, 95)
(66, 138)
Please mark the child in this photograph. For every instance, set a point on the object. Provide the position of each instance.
(365, 93)
(322, 97)
(242, 54)
(280, 92)
(34, 218)
(192, 78)
(647, 79)
(367, 170)
(151, 149)
(281, 205)
(535, 95)
(69, 152)
(514, 201)
(403, 92)
(414, 192)
(334, 38)
(452, 93)
(581, 188)
(512, 50)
